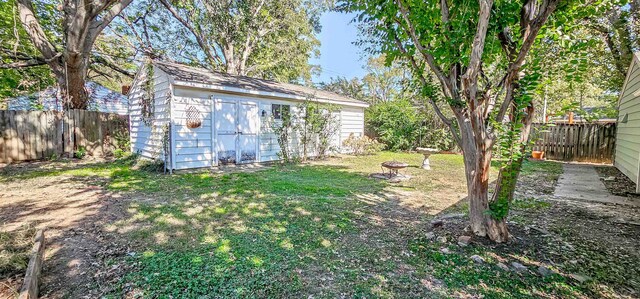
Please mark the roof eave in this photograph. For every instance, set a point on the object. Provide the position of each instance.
(279, 95)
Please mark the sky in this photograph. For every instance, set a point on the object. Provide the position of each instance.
(338, 55)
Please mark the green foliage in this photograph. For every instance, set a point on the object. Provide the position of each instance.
(80, 153)
(401, 126)
(362, 145)
(512, 144)
(148, 99)
(283, 129)
(394, 123)
(119, 153)
(16, 41)
(265, 39)
(316, 126)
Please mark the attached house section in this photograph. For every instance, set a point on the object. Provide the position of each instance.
(207, 119)
(627, 158)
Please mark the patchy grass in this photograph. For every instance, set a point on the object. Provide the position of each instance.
(15, 247)
(322, 230)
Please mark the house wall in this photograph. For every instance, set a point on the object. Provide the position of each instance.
(351, 122)
(627, 158)
(147, 140)
(195, 147)
(192, 146)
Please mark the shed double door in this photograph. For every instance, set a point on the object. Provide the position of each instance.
(236, 131)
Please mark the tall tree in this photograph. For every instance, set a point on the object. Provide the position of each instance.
(65, 47)
(619, 28)
(478, 52)
(269, 39)
(353, 88)
(15, 49)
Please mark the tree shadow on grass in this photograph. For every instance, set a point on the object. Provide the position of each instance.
(291, 231)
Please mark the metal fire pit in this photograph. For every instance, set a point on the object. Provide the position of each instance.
(393, 167)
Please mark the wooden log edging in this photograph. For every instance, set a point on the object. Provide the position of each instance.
(29, 289)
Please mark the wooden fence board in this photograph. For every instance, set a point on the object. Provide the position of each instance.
(592, 142)
(32, 135)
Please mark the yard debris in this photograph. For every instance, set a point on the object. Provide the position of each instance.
(503, 266)
(580, 277)
(520, 268)
(478, 259)
(437, 222)
(442, 239)
(545, 271)
(464, 241)
(430, 235)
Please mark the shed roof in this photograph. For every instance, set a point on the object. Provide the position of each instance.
(184, 74)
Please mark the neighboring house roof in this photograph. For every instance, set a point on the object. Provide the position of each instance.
(101, 99)
(187, 75)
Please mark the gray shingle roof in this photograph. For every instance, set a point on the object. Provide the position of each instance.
(101, 99)
(192, 74)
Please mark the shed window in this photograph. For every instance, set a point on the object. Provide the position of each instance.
(279, 111)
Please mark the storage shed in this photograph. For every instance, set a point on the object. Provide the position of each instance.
(191, 117)
(627, 158)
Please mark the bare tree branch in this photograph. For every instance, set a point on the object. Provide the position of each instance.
(212, 57)
(23, 64)
(115, 10)
(34, 29)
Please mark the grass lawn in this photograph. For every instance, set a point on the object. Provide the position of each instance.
(323, 229)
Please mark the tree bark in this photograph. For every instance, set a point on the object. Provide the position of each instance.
(81, 25)
(477, 161)
(74, 87)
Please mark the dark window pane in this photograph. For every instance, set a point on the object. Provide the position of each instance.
(275, 111)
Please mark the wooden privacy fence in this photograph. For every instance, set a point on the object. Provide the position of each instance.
(584, 142)
(32, 135)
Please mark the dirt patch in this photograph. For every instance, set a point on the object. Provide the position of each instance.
(616, 182)
(74, 210)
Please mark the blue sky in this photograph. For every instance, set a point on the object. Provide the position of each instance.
(338, 55)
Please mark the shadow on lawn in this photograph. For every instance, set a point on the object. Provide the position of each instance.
(287, 231)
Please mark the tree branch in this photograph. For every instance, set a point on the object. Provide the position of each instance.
(98, 25)
(529, 36)
(107, 62)
(470, 78)
(449, 91)
(34, 29)
(213, 59)
(23, 64)
(424, 82)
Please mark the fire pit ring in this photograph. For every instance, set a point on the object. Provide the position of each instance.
(393, 167)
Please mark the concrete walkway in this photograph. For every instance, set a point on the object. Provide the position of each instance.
(581, 182)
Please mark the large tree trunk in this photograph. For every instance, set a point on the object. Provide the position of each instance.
(75, 86)
(477, 161)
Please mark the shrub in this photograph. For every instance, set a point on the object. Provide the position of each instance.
(394, 123)
(362, 145)
(402, 126)
(119, 153)
(80, 153)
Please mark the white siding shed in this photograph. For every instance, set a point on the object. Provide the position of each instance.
(201, 118)
(627, 157)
